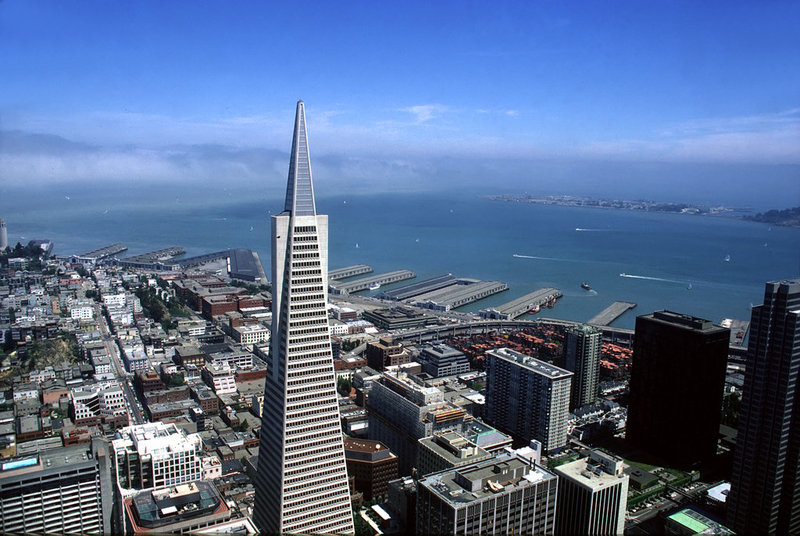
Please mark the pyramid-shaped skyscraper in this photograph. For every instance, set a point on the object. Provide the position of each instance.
(301, 486)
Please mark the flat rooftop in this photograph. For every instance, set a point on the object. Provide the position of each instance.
(588, 474)
(50, 459)
(481, 480)
(531, 363)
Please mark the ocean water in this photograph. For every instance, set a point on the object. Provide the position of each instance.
(725, 261)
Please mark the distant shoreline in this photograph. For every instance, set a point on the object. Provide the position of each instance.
(621, 204)
(784, 218)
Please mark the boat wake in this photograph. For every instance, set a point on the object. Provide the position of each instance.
(585, 230)
(517, 255)
(648, 278)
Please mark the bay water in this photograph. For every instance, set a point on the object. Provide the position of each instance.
(711, 267)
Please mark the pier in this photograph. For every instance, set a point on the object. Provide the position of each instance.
(611, 313)
(154, 260)
(349, 271)
(529, 302)
(364, 283)
(202, 259)
(102, 253)
(158, 255)
(420, 287)
(453, 296)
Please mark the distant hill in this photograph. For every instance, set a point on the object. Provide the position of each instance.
(789, 217)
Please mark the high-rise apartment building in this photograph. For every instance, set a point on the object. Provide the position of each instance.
(592, 496)
(765, 483)
(527, 398)
(60, 491)
(676, 387)
(582, 356)
(301, 486)
(508, 494)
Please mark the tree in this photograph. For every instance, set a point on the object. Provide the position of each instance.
(344, 386)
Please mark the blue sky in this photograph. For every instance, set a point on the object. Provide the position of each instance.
(400, 92)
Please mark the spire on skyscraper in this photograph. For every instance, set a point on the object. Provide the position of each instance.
(299, 188)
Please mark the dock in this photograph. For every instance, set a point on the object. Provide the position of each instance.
(611, 313)
(158, 255)
(453, 296)
(739, 329)
(202, 259)
(363, 283)
(349, 271)
(420, 287)
(529, 302)
(104, 252)
(245, 264)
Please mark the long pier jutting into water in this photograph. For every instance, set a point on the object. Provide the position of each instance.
(529, 302)
(611, 313)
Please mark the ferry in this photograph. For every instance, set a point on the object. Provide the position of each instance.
(585, 286)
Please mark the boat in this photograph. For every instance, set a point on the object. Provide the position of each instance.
(689, 286)
(374, 286)
(585, 286)
(727, 258)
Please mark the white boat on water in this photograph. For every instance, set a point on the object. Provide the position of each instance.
(375, 286)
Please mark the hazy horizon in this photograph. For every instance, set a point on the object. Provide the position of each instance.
(670, 101)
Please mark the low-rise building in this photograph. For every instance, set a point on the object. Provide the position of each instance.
(195, 506)
(156, 455)
(250, 334)
(442, 360)
(386, 353)
(221, 378)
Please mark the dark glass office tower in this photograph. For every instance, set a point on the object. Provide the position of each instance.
(765, 484)
(676, 387)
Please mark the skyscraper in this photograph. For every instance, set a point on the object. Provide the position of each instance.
(301, 486)
(765, 483)
(527, 398)
(676, 386)
(582, 356)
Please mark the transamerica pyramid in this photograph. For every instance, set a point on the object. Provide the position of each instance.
(301, 485)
